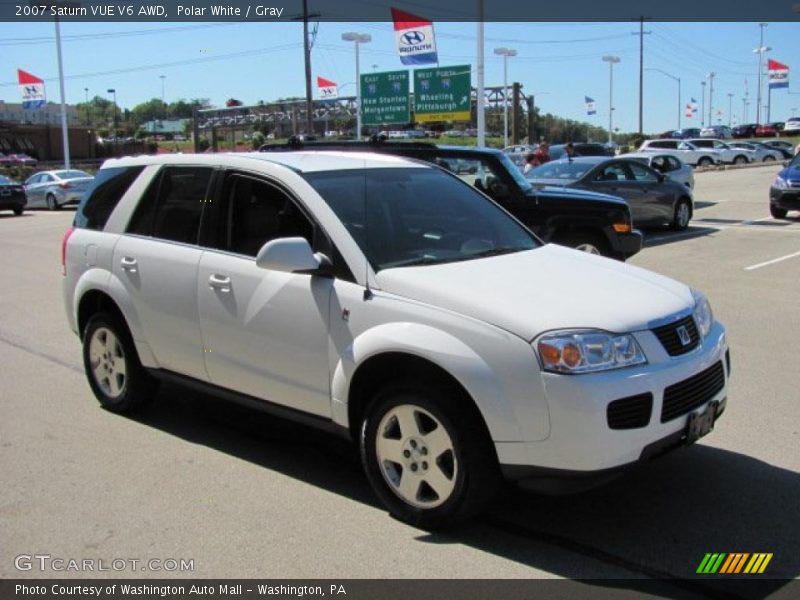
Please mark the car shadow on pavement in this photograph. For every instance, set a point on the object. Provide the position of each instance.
(656, 522)
(659, 237)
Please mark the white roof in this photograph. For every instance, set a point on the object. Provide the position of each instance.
(303, 161)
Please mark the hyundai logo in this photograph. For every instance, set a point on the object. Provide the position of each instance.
(412, 38)
(683, 334)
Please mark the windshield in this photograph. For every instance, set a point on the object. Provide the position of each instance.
(560, 169)
(418, 216)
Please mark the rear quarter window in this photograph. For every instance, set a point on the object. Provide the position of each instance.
(102, 197)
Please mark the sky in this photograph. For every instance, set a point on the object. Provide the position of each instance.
(559, 63)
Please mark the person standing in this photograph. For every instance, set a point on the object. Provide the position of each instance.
(542, 154)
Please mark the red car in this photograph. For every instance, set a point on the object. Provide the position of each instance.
(769, 130)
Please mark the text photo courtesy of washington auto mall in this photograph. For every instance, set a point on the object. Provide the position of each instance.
(382, 299)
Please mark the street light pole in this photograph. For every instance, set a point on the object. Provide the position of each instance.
(163, 103)
(678, 79)
(611, 60)
(730, 108)
(711, 98)
(116, 135)
(760, 51)
(357, 39)
(505, 53)
(703, 105)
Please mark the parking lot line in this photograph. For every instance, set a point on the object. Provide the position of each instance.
(772, 262)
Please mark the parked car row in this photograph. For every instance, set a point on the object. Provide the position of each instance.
(46, 189)
(20, 160)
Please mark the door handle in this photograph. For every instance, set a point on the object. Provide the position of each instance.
(128, 264)
(220, 282)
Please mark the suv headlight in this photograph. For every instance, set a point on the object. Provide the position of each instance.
(588, 351)
(703, 316)
(779, 183)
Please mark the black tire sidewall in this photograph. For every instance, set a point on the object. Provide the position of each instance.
(676, 225)
(52, 203)
(442, 404)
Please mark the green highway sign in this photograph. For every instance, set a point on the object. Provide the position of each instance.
(442, 94)
(385, 98)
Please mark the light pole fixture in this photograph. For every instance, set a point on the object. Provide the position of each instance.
(611, 60)
(357, 39)
(678, 79)
(711, 98)
(505, 53)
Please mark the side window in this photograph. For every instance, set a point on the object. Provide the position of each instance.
(172, 206)
(612, 172)
(46, 178)
(479, 174)
(257, 212)
(659, 163)
(107, 189)
(642, 173)
(672, 163)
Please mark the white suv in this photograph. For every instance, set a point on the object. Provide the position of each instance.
(386, 299)
(685, 151)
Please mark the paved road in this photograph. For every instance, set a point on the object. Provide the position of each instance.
(246, 496)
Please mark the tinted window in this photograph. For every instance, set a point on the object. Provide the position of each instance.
(405, 217)
(612, 172)
(72, 174)
(560, 169)
(172, 206)
(257, 212)
(101, 198)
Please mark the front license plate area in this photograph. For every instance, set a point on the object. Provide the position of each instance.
(701, 423)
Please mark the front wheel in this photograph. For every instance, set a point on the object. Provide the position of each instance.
(427, 456)
(18, 210)
(777, 213)
(705, 162)
(585, 242)
(682, 216)
(112, 365)
(740, 160)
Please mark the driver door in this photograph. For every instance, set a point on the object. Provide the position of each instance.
(265, 333)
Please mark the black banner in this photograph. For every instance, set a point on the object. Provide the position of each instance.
(160, 11)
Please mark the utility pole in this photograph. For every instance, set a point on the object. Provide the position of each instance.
(760, 50)
(641, 33)
(730, 108)
(479, 108)
(703, 105)
(611, 60)
(711, 98)
(307, 52)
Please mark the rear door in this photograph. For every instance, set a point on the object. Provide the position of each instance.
(157, 261)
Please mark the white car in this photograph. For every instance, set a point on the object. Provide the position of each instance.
(732, 155)
(791, 126)
(667, 164)
(390, 301)
(761, 152)
(685, 151)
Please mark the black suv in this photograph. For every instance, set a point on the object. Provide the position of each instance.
(596, 223)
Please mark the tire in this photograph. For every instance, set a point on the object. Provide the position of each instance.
(52, 203)
(112, 365)
(402, 427)
(777, 213)
(705, 162)
(588, 242)
(769, 158)
(682, 215)
(740, 160)
(18, 210)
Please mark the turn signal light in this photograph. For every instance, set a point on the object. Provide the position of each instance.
(622, 227)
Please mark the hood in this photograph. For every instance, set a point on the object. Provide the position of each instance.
(552, 287)
(559, 189)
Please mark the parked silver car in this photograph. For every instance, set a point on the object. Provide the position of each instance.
(671, 166)
(54, 189)
(729, 154)
(761, 152)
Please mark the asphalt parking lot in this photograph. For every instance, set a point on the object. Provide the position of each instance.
(244, 495)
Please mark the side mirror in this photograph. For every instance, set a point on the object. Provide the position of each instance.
(290, 255)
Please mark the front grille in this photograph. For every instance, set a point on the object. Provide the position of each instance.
(630, 413)
(671, 340)
(688, 394)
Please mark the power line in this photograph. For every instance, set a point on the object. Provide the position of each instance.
(107, 34)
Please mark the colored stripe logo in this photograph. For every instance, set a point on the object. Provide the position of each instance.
(734, 563)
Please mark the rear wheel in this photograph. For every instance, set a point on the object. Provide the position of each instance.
(682, 215)
(112, 365)
(769, 158)
(52, 204)
(18, 210)
(705, 162)
(777, 213)
(740, 160)
(427, 456)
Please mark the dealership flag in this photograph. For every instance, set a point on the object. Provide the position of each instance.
(691, 108)
(416, 43)
(778, 74)
(32, 90)
(327, 88)
(591, 109)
